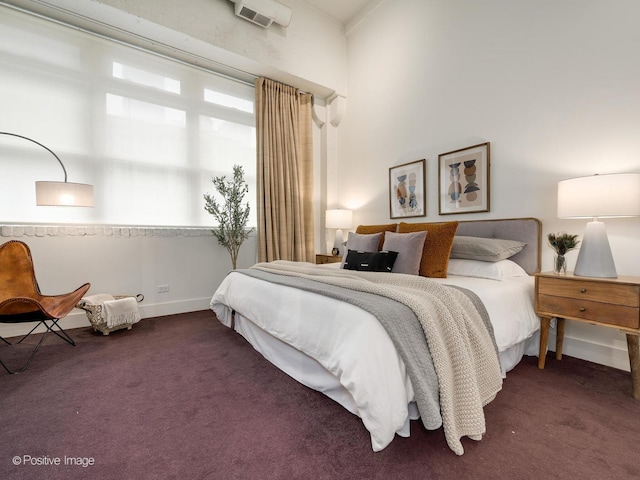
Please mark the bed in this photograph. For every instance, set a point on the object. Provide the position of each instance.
(351, 334)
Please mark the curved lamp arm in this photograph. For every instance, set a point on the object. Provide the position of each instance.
(46, 148)
(59, 193)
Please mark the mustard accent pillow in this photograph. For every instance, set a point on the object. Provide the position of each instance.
(369, 229)
(437, 246)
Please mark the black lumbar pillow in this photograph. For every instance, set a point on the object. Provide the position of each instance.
(370, 261)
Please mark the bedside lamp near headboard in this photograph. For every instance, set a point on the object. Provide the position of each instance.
(598, 196)
(338, 219)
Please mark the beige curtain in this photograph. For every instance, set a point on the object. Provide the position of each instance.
(285, 173)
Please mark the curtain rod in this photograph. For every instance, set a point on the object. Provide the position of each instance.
(139, 47)
(195, 57)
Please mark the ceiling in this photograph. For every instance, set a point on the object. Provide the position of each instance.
(341, 10)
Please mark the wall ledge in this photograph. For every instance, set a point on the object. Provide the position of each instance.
(17, 231)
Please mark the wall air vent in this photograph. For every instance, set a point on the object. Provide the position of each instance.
(263, 12)
(253, 16)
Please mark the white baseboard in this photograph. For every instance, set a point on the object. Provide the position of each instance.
(608, 355)
(78, 319)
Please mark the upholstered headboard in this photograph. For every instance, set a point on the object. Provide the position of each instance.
(527, 230)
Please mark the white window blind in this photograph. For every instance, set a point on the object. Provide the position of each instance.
(148, 132)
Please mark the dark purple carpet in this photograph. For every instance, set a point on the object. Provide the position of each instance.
(184, 397)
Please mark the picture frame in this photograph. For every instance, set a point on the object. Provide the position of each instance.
(407, 190)
(463, 180)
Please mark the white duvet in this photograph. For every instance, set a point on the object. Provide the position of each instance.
(360, 366)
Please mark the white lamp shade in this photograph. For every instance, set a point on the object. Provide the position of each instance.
(339, 218)
(613, 195)
(64, 194)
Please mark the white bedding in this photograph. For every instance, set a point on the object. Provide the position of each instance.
(343, 351)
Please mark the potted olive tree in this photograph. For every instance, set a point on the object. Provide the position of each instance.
(231, 214)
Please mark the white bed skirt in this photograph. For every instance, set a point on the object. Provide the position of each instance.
(312, 374)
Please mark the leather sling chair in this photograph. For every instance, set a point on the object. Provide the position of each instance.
(22, 302)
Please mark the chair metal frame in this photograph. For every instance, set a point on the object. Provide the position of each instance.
(49, 328)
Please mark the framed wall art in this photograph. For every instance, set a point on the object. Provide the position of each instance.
(407, 190)
(463, 180)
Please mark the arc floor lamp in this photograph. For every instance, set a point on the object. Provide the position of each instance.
(59, 193)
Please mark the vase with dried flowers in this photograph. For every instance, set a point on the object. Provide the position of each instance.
(561, 244)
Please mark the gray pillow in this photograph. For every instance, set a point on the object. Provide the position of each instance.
(361, 242)
(484, 249)
(409, 247)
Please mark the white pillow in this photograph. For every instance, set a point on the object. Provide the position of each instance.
(500, 270)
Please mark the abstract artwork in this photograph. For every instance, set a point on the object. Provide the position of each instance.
(463, 180)
(407, 192)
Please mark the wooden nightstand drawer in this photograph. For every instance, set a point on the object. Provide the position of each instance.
(614, 293)
(578, 308)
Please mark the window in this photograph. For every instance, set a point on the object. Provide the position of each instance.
(148, 132)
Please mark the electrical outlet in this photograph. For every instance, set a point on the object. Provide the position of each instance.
(162, 288)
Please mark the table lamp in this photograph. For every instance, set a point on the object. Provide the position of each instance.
(338, 219)
(598, 196)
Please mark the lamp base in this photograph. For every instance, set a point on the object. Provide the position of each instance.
(595, 258)
(337, 243)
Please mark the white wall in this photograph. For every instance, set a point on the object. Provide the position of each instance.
(191, 264)
(552, 85)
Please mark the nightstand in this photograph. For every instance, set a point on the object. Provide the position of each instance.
(608, 302)
(322, 258)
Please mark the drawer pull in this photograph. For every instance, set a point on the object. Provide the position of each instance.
(582, 309)
(583, 290)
